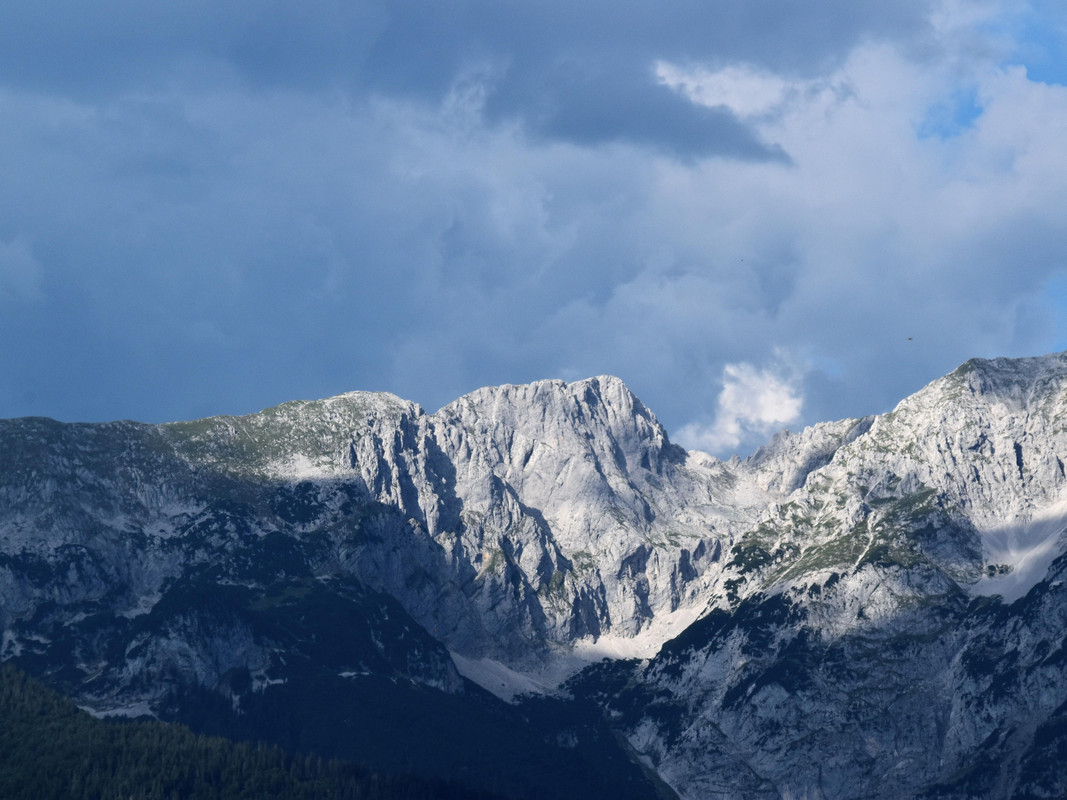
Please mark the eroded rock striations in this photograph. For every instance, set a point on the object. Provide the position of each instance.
(867, 608)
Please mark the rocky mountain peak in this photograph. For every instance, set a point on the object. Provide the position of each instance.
(597, 410)
(990, 436)
(784, 464)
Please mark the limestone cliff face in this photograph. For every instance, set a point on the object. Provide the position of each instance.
(531, 517)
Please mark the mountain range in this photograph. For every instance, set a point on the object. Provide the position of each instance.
(534, 592)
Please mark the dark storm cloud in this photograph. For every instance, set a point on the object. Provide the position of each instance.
(574, 72)
(210, 208)
(595, 104)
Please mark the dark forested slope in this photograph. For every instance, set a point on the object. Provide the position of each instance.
(49, 748)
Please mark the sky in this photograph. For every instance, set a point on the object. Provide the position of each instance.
(759, 214)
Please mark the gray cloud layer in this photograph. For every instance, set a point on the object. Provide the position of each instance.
(579, 72)
(210, 209)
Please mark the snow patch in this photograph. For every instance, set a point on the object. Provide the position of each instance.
(260, 683)
(645, 644)
(498, 679)
(131, 711)
(298, 467)
(11, 646)
(509, 684)
(1026, 549)
(144, 606)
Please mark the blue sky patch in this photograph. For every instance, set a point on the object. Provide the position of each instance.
(1041, 42)
(952, 117)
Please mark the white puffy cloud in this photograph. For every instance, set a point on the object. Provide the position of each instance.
(745, 91)
(753, 403)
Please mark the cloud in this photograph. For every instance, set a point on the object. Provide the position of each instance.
(21, 273)
(753, 403)
(575, 73)
(423, 202)
(744, 91)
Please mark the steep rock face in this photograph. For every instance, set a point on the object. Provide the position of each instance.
(574, 505)
(989, 437)
(783, 465)
(520, 518)
(543, 515)
(962, 702)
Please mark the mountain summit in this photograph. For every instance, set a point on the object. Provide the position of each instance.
(867, 608)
